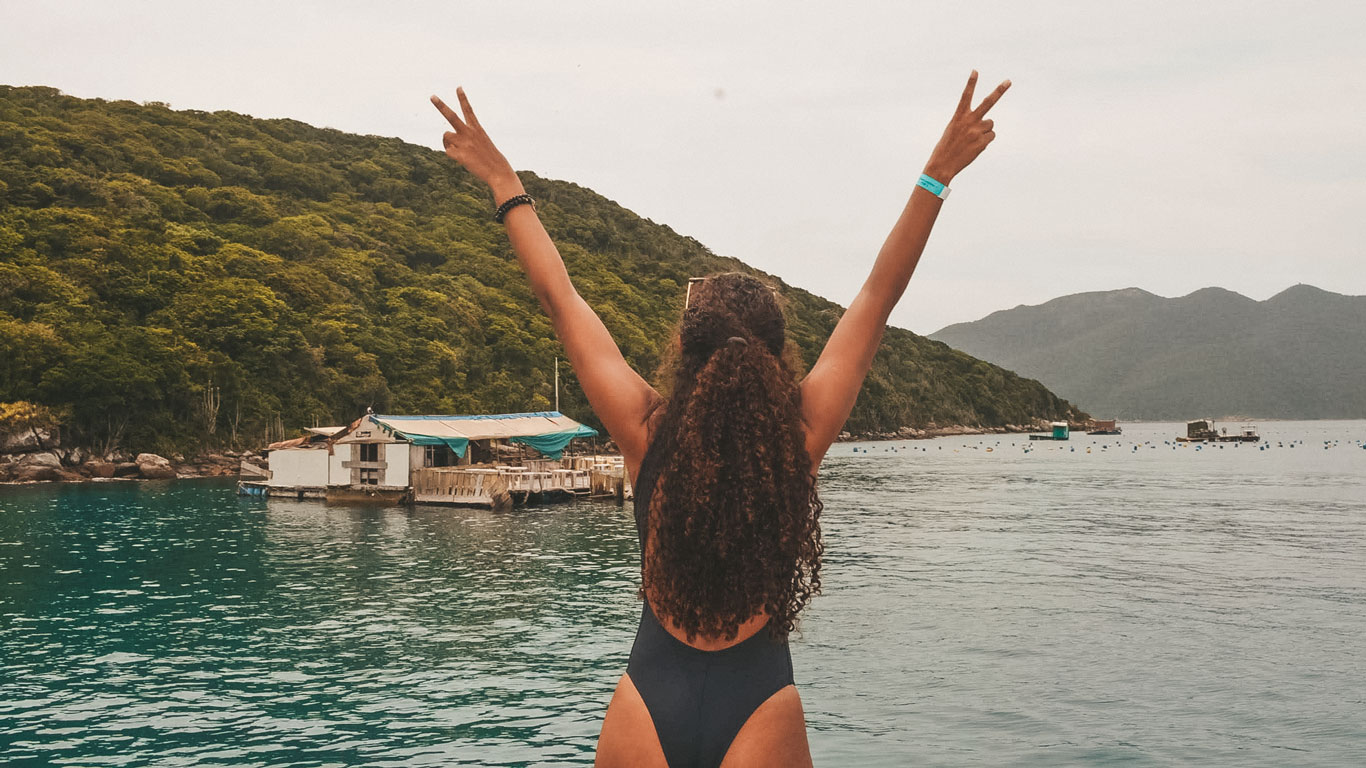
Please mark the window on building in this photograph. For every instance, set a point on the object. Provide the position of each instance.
(369, 477)
(437, 456)
(369, 451)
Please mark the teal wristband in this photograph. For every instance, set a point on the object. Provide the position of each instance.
(933, 187)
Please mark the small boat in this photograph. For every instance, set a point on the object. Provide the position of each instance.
(1247, 435)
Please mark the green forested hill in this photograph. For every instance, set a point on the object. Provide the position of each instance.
(170, 279)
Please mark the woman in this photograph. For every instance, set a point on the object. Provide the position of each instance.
(724, 470)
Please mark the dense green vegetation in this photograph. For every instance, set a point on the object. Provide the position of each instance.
(1132, 355)
(174, 279)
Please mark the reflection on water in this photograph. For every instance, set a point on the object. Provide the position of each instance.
(1149, 605)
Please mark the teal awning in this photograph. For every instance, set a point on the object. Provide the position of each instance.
(552, 444)
(549, 432)
(458, 445)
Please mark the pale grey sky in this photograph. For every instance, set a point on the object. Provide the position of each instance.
(1168, 146)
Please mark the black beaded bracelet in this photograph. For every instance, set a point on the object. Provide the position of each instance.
(510, 203)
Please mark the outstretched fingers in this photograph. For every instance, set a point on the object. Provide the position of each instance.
(991, 99)
(466, 108)
(451, 117)
(965, 102)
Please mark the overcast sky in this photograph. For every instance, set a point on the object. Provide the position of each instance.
(1168, 146)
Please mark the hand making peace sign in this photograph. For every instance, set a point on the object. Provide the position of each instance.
(470, 146)
(968, 133)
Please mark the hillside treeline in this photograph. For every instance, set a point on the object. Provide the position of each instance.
(176, 279)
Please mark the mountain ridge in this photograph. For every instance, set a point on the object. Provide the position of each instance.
(1132, 354)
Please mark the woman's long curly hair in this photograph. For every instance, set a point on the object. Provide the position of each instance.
(734, 520)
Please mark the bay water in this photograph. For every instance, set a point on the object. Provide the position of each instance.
(1119, 600)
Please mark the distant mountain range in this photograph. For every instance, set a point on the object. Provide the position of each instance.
(1130, 354)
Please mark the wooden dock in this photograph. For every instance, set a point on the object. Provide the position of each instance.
(502, 486)
(495, 486)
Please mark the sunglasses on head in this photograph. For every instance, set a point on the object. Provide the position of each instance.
(687, 297)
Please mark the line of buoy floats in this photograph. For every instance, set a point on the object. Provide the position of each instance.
(1133, 447)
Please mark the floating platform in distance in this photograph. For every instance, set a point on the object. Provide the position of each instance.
(1060, 432)
(1203, 431)
(1104, 427)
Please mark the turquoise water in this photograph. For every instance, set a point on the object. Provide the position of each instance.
(1128, 606)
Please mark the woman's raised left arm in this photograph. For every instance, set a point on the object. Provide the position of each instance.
(619, 396)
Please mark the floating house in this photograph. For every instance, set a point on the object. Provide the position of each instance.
(1059, 432)
(1204, 431)
(484, 460)
(1104, 427)
(1199, 431)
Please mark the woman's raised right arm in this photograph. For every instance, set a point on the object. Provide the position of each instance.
(831, 387)
(620, 397)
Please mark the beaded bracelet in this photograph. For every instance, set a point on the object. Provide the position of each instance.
(510, 203)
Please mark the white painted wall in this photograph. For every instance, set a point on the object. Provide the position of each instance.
(293, 467)
(336, 474)
(396, 454)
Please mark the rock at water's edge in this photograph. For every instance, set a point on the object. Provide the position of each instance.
(154, 467)
(41, 459)
(97, 468)
(35, 473)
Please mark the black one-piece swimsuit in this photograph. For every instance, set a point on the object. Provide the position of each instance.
(698, 699)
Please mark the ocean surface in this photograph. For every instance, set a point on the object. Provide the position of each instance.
(1104, 601)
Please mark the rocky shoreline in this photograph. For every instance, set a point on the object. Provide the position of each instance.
(35, 457)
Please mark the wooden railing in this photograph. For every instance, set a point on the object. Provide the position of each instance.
(452, 485)
(498, 486)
